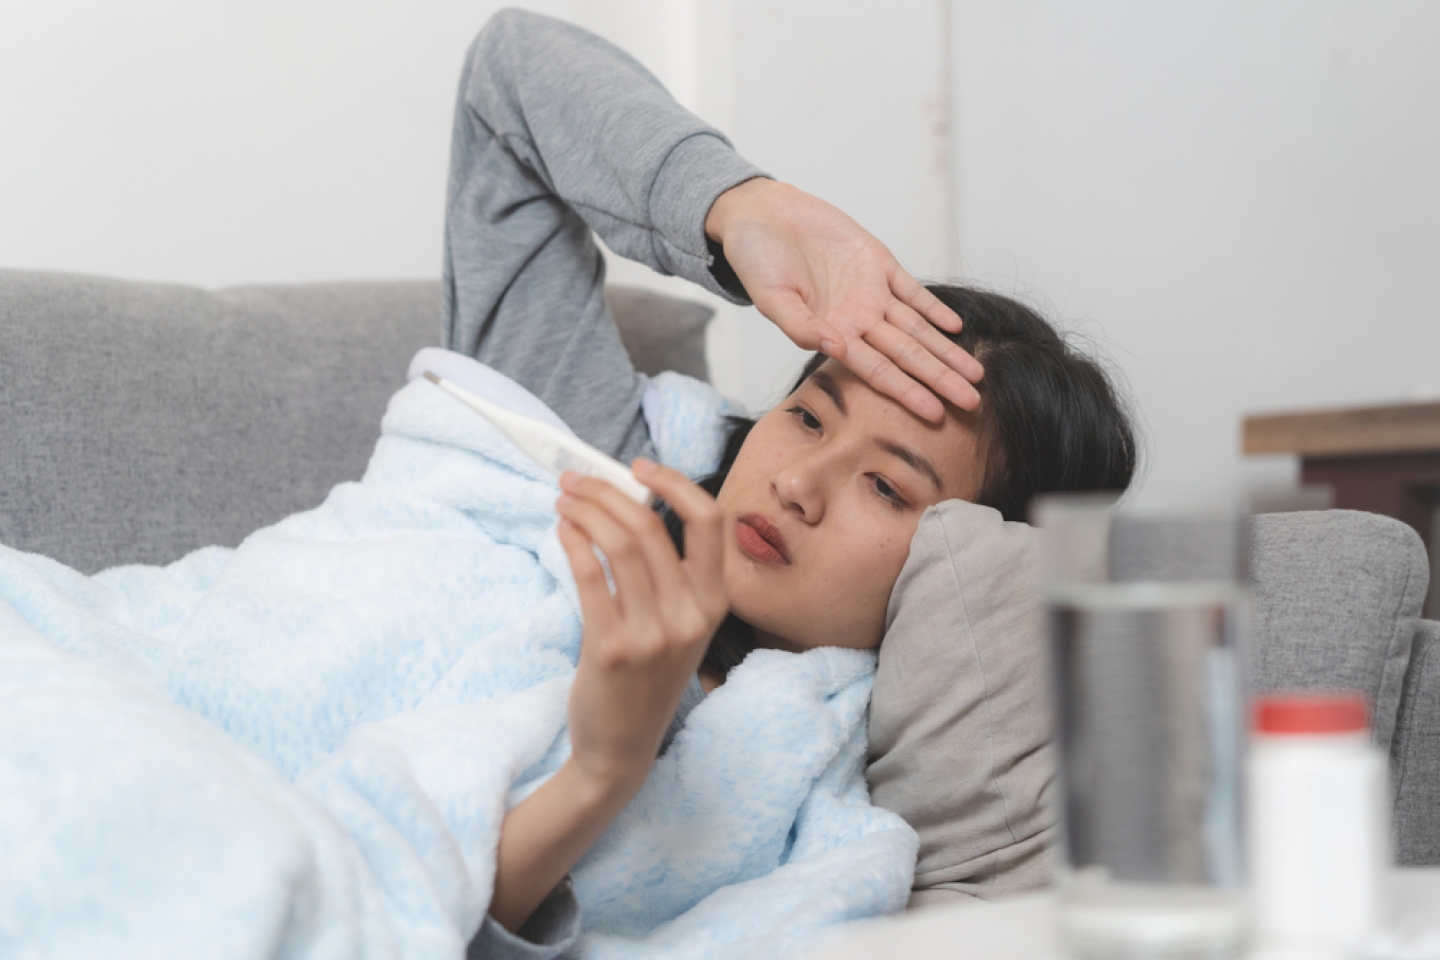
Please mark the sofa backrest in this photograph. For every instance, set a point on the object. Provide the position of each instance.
(1337, 601)
(143, 420)
(1415, 756)
(1337, 595)
(139, 421)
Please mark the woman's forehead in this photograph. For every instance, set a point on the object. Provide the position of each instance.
(846, 389)
(952, 445)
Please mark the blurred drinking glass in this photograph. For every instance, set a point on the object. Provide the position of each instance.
(1146, 622)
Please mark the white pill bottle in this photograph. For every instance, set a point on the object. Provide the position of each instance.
(1319, 824)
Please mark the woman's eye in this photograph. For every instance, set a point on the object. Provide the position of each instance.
(807, 419)
(889, 493)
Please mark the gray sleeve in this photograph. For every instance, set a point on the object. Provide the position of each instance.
(552, 931)
(558, 133)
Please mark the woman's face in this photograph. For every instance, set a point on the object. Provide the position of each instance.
(822, 502)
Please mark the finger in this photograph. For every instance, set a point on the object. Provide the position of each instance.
(634, 588)
(644, 524)
(928, 314)
(950, 353)
(885, 375)
(917, 358)
(704, 544)
(597, 607)
(912, 293)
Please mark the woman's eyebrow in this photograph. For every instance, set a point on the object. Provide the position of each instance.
(913, 458)
(827, 383)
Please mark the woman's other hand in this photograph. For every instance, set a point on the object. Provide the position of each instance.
(643, 643)
(831, 286)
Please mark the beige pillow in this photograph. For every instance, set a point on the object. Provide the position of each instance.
(960, 715)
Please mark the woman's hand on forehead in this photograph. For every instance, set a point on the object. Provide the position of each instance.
(831, 286)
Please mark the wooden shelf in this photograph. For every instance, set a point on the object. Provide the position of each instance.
(1403, 428)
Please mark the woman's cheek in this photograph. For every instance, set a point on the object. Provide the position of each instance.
(870, 585)
(892, 549)
(891, 557)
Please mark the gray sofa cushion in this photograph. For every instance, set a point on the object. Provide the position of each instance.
(660, 332)
(1415, 760)
(148, 419)
(143, 420)
(1337, 602)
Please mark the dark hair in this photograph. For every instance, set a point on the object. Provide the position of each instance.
(1050, 419)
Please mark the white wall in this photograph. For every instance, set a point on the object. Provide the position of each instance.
(223, 143)
(1234, 200)
(275, 140)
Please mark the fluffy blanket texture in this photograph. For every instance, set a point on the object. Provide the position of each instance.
(305, 746)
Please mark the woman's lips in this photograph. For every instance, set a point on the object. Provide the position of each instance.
(761, 540)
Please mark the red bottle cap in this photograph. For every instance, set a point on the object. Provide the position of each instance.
(1312, 713)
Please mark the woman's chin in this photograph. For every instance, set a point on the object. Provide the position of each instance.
(772, 641)
(774, 633)
(782, 621)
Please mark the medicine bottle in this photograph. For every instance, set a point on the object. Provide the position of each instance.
(1319, 830)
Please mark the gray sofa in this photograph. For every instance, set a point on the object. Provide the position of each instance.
(140, 421)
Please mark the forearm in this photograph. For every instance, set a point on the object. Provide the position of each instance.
(636, 658)
(604, 136)
(547, 833)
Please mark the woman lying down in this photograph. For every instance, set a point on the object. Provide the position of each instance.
(425, 717)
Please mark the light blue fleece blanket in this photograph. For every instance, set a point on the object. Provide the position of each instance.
(305, 746)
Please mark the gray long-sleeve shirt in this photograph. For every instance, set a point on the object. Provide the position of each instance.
(558, 133)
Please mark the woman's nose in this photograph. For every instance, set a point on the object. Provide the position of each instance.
(800, 485)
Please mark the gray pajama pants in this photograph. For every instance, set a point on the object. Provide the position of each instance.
(558, 133)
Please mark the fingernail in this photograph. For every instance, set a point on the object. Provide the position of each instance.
(642, 466)
(827, 347)
(564, 501)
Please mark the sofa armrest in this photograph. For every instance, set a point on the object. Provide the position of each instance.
(1415, 758)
